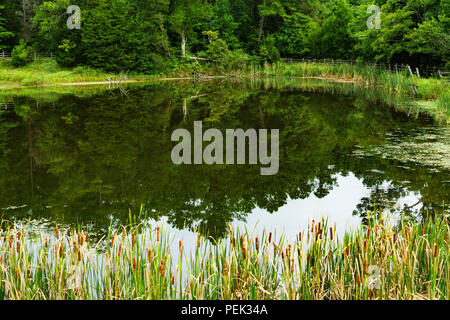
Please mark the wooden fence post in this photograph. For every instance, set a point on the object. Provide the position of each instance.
(410, 71)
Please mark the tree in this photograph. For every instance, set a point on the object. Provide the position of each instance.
(4, 34)
(186, 15)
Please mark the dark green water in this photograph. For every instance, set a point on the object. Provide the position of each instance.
(95, 156)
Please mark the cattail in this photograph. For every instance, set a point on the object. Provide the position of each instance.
(57, 232)
(87, 237)
(365, 244)
(312, 226)
(282, 255)
(149, 255)
(18, 246)
(74, 246)
(180, 245)
(134, 263)
(161, 267)
(112, 239)
(18, 235)
(133, 240)
(257, 244)
(10, 240)
(173, 280)
(299, 252)
(123, 234)
(225, 270)
(288, 251)
(270, 237)
(46, 243)
(79, 255)
(299, 237)
(331, 233)
(120, 250)
(436, 248)
(357, 279)
(293, 265)
(395, 237)
(292, 294)
(368, 233)
(60, 251)
(157, 234)
(199, 238)
(244, 253)
(81, 240)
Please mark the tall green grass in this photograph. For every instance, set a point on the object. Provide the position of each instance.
(380, 261)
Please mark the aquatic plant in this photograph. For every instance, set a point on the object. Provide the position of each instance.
(383, 260)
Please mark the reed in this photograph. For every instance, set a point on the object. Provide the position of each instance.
(379, 261)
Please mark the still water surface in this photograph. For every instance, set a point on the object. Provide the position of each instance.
(94, 156)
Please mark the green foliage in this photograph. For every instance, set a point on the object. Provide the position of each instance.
(268, 50)
(21, 54)
(148, 35)
(223, 59)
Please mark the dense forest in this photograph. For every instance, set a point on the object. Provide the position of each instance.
(153, 36)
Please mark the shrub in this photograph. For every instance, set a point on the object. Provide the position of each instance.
(21, 54)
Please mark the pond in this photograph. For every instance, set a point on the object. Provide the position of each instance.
(95, 156)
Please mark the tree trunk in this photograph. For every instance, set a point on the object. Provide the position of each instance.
(183, 44)
(261, 27)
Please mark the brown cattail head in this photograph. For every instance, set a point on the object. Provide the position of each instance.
(161, 267)
(357, 279)
(120, 250)
(57, 232)
(180, 245)
(365, 244)
(46, 243)
(225, 269)
(18, 246)
(312, 226)
(270, 237)
(134, 263)
(149, 255)
(79, 255)
(173, 280)
(112, 239)
(123, 234)
(299, 237)
(244, 253)
(331, 233)
(257, 244)
(282, 255)
(395, 237)
(87, 237)
(60, 251)
(74, 246)
(436, 248)
(157, 234)
(133, 240)
(199, 238)
(368, 233)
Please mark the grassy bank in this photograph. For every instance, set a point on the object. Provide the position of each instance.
(431, 95)
(381, 261)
